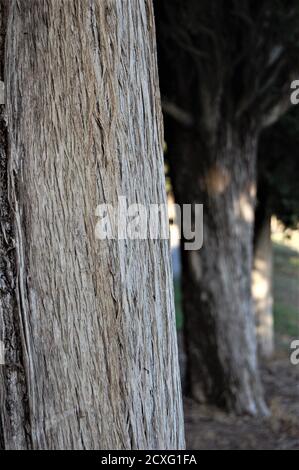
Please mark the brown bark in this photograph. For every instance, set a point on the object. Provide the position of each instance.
(88, 325)
(262, 281)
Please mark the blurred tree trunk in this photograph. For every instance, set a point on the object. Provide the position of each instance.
(217, 304)
(88, 325)
(219, 90)
(262, 279)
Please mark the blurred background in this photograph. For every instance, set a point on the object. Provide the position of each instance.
(228, 72)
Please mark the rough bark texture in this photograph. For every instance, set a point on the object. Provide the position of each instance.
(262, 281)
(13, 391)
(89, 329)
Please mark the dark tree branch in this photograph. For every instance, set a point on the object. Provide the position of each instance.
(178, 114)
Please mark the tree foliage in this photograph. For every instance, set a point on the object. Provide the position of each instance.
(278, 168)
(240, 56)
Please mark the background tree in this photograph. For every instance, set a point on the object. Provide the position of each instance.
(225, 70)
(88, 325)
(277, 194)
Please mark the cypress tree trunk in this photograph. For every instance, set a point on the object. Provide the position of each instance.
(218, 312)
(213, 118)
(262, 280)
(88, 325)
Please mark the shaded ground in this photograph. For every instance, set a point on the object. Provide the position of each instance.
(208, 428)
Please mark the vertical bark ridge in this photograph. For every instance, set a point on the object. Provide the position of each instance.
(14, 416)
(97, 317)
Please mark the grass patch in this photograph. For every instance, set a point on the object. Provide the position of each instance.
(285, 292)
(286, 320)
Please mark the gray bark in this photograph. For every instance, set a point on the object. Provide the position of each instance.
(262, 286)
(88, 325)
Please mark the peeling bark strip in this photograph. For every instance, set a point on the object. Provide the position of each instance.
(13, 391)
(95, 318)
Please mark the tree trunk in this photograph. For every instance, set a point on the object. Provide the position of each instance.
(262, 281)
(219, 322)
(88, 325)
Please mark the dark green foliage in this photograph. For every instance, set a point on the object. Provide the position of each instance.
(238, 57)
(278, 168)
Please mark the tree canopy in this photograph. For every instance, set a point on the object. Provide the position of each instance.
(240, 55)
(278, 168)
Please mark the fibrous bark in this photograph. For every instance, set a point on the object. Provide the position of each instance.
(89, 329)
